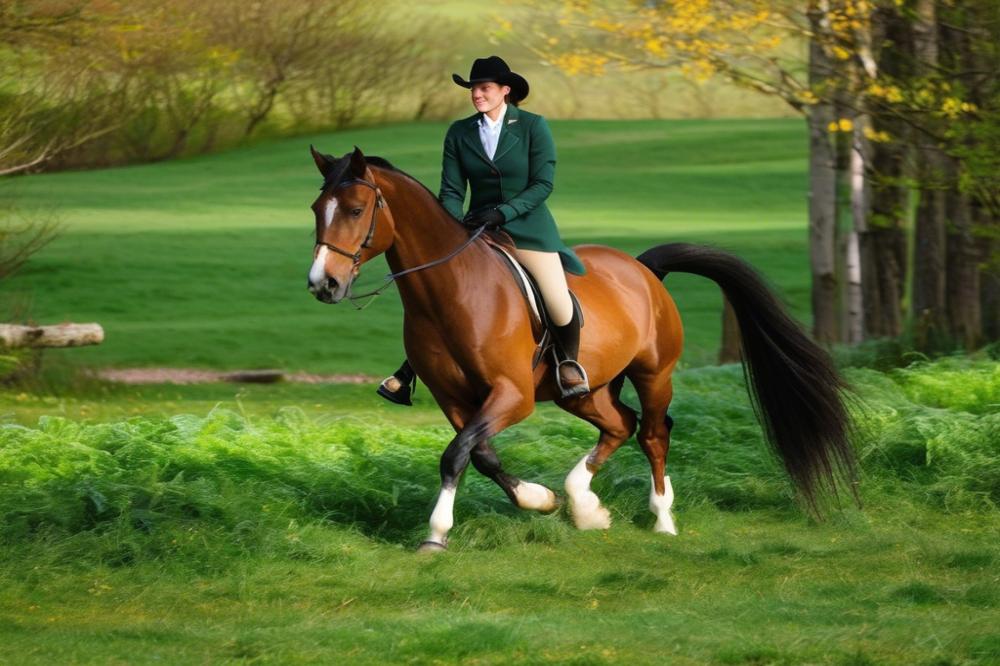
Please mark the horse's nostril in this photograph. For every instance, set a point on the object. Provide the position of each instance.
(332, 284)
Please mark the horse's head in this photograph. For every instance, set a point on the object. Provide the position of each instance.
(353, 224)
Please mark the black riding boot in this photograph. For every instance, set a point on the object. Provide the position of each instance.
(570, 375)
(407, 380)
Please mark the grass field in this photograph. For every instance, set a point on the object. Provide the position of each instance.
(256, 531)
(202, 262)
(276, 524)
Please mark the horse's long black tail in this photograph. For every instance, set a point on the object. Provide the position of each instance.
(793, 385)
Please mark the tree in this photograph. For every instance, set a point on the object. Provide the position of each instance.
(752, 43)
(896, 93)
(44, 114)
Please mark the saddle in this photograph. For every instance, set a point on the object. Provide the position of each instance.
(541, 322)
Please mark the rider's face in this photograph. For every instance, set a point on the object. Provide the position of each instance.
(488, 96)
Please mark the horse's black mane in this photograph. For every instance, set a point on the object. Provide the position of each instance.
(339, 174)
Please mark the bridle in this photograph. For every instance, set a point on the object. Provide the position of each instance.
(367, 243)
(356, 256)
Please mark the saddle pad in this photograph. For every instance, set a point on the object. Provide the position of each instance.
(526, 285)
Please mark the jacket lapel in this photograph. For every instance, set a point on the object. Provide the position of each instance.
(509, 132)
(472, 140)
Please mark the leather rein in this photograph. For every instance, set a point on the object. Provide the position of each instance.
(356, 256)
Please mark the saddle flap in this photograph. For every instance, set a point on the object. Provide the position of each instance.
(529, 288)
(527, 285)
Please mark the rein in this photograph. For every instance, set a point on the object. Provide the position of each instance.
(392, 277)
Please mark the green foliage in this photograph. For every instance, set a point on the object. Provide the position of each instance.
(247, 476)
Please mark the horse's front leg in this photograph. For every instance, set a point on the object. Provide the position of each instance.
(506, 405)
(523, 494)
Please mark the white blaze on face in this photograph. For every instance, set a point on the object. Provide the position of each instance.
(328, 211)
(317, 274)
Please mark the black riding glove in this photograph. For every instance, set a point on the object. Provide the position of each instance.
(491, 218)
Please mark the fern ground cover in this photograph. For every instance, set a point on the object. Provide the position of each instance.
(215, 527)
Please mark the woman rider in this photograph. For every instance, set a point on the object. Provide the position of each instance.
(507, 158)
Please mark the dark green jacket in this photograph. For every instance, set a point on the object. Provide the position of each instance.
(517, 180)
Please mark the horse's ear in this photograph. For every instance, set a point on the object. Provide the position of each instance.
(358, 163)
(323, 163)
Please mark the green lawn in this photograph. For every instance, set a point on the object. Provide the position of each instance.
(202, 262)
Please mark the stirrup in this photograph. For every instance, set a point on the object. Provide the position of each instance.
(400, 396)
(572, 391)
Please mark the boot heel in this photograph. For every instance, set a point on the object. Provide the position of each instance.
(399, 397)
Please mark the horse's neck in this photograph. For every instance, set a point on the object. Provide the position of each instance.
(424, 232)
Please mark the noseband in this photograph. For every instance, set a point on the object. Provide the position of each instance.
(379, 203)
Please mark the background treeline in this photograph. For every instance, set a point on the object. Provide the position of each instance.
(96, 82)
(902, 102)
(87, 83)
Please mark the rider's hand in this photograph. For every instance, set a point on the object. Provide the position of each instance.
(491, 218)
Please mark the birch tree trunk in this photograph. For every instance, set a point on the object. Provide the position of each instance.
(822, 187)
(860, 209)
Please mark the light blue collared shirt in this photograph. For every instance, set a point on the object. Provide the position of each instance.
(489, 131)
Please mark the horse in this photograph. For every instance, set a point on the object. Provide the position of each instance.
(469, 335)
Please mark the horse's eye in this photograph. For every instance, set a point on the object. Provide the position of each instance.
(356, 212)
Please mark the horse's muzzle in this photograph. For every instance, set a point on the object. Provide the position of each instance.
(329, 290)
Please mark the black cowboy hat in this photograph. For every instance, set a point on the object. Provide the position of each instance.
(496, 70)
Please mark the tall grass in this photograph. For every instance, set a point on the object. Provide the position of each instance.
(237, 536)
(933, 428)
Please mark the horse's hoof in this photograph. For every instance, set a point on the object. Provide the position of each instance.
(431, 547)
(535, 497)
(665, 525)
(591, 517)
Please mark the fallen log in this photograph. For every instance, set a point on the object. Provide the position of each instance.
(254, 376)
(61, 335)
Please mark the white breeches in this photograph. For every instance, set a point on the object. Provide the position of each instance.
(547, 269)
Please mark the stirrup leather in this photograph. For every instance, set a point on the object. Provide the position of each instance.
(571, 391)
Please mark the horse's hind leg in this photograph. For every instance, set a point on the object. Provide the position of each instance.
(616, 422)
(655, 393)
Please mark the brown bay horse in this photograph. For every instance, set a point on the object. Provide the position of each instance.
(468, 334)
